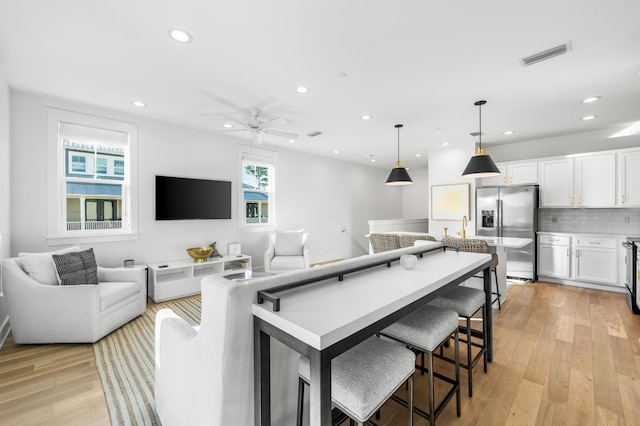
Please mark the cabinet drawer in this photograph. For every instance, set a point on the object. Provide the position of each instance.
(595, 242)
(560, 240)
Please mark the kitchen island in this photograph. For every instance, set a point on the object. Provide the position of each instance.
(323, 321)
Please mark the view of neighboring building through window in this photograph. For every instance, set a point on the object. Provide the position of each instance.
(92, 183)
(92, 186)
(257, 191)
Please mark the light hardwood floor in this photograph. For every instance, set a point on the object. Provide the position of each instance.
(563, 356)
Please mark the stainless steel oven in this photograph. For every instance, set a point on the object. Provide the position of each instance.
(631, 266)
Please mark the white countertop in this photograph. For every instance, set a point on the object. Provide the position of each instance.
(585, 234)
(324, 314)
(507, 242)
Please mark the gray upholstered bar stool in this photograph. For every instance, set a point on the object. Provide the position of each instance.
(364, 377)
(466, 302)
(424, 330)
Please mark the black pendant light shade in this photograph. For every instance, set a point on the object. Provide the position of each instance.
(398, 175)
(480, 165)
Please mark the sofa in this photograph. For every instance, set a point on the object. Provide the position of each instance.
(83, 313)
(204, 374)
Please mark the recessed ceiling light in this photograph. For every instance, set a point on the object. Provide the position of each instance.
(181, 36)
(591, 99)
(302, 89)
(292, 141)
(589, 117)
(445, 143)
(138, 104)
(366, 117)
(418, 155)
(508, 132)
(373, 160)
(227, 125)
(336, 152)
(342, 75)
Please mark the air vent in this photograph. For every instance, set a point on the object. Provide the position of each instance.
(547, 54)
(474, 134)
(314, 133)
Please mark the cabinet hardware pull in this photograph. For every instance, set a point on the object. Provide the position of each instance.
(623, 199)
(510, 179)
(594, 242)
(568, 252)
(580, 200)
(504, 180)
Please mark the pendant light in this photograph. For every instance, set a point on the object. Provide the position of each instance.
(398, 175)
(480, 165)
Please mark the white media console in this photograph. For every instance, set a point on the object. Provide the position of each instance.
(180, 278)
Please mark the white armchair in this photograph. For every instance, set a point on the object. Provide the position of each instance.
(287, 252)
(44, 313)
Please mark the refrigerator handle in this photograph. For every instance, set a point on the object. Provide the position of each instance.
(499, 210)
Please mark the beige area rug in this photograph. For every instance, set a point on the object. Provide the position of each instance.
(125, 361)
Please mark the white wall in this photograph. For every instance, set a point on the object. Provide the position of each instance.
(446, 165)
(563, 145)
(5, 219)
(315, 193)
(415, 198)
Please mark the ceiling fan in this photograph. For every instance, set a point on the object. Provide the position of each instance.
(258, 127)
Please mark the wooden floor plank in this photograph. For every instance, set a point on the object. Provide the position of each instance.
(562, 355)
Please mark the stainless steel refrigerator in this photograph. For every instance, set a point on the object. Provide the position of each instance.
(511, 211)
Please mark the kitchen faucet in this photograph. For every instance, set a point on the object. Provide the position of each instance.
(463, 233)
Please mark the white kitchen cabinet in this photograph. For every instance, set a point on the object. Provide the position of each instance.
(514, 174)
(556, 183)
(595, 178)
(596, 260)
(588, 181)
(554, 256)
(629, 179)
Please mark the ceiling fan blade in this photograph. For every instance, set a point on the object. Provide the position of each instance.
(273, 122)
(231, 130)
(281, 134)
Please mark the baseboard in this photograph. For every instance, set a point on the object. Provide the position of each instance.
(583, 284)
(5, 328)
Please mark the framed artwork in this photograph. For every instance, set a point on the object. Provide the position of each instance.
(450, 202)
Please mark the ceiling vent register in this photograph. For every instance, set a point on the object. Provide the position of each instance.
(547, 54)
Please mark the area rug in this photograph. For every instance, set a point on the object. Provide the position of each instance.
(125, 362)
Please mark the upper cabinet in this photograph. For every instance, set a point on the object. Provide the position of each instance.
(629, 179)
(595, 178)
(556, 183)
(588, 181)
(514, 174)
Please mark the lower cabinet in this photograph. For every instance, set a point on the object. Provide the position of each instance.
(580, 258)
(596, 260)
(180, 278)
(554, 256)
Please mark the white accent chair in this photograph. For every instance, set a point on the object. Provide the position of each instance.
(46, 313)
(287, 252)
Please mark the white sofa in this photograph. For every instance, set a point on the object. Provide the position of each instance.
(204, 375)
(44, 313)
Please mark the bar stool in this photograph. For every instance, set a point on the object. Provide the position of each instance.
(466, 302)
(423, 331)
(472, 245)
(364, 377)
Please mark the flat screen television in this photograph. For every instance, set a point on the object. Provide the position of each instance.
(179, 198)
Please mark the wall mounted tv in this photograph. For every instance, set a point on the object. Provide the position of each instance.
(179, 198)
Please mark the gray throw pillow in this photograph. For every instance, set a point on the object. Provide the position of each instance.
(77, 267)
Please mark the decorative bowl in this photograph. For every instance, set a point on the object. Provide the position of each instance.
(408, 261)
(200, 254)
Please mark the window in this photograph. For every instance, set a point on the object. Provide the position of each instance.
(101, 166)
(257, 189)
(92, 179)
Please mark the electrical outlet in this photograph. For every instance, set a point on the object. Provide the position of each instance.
(627, 219)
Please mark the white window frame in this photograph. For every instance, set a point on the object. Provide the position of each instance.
(265, 157)
(56, 203)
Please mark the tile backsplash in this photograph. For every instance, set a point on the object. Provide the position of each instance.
(590, 221)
